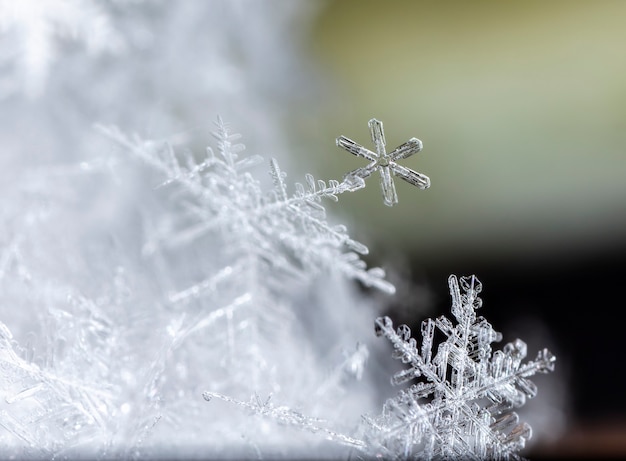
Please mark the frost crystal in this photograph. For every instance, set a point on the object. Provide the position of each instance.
(385, 162)
(462, 404)
(221, 195)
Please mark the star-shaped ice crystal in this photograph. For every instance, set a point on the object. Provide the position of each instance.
(385, 162)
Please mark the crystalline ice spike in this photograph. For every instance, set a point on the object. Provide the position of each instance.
(378, 136)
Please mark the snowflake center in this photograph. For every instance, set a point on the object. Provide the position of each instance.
(383, 161)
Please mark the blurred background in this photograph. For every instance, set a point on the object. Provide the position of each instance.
(521, 107)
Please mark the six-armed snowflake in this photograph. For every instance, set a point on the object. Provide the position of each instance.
(385, 162)
(462, 404)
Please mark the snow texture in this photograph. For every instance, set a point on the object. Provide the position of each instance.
(231, 288)
(34, 31)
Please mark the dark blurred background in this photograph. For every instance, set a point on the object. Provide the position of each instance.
(521, 109)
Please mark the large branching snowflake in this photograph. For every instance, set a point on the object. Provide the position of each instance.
(462, 405)
(289, 231)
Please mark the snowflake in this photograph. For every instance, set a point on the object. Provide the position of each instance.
(385, 162)
(462, 406)
(221, 195)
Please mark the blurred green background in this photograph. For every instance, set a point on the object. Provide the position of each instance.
(521, 109)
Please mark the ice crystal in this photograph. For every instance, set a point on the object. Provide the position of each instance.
(220, 195)
(462, 405)
(385, 163)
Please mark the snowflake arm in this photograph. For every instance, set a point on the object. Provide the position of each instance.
(385, 163)
(287, 417)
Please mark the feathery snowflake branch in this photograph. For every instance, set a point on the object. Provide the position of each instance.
(223, 195)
